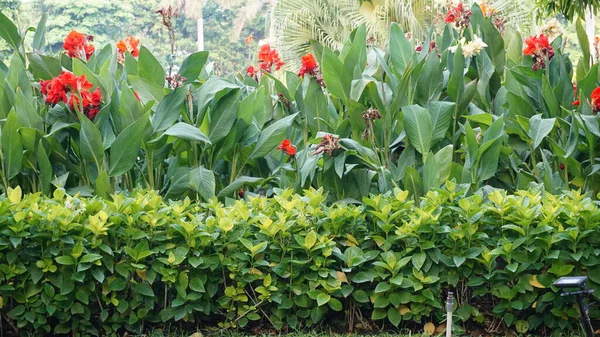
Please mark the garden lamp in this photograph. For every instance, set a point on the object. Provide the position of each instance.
(449, 310)
(578, 288)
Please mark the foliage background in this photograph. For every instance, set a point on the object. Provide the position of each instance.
(112, 20)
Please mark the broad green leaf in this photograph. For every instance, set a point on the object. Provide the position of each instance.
(90, 142)
(192, 66)
(539, 128)
(45, 168)
(202, 181)
(337, 77)
(335, 304)
(65, 260)
(187, 132)
(354, 52)
(169, 110)
(239, 183)
(125, 149)
(102, 185)
(39, 38)
(144, 289)
(27, 115)
(441, 116)
(590, 123)
(456, 84)
(130, 109)
(495, 49)
(310, 240)
(223, 116)
(430, 80)
(394, 316)
(443, 159)
(272, 136)
(419, 128)
(401, 50)
(149, 68)
(550, 98)
(418, 259)
(147, 90)
(43, 67)
(207, 92)
(412, 182)
(431, 175)
(12, 147)
(9, 32)
(323, 298)
(584, 43)
(514, 45)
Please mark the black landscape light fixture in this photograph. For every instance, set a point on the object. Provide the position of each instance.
(579, 288)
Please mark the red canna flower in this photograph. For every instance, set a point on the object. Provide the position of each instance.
(251, 71)
(137, 96)
(309, 65)
(249, 39)
(91, 102)
(268, 57)
(459, 16)
(576, 101)
(69, 88)
(76, 45)
(130, 44)
(287, 148)
(595, 97)
(540, 49)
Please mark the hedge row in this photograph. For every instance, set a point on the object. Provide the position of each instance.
(89, 266)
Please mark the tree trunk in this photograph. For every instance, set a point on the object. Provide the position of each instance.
(200, 28)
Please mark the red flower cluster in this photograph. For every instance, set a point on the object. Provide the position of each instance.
(595, 96)
(540, 49)
(268, 57)
(576, 101)
(309, 66)
(287, 147)
(130, 44)
(251, 71)
(76, 45)
(459, 16)
(68, 88)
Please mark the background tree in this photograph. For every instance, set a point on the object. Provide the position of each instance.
(228, 24)
(295, 22)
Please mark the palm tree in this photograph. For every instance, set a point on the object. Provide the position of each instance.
(295, 22)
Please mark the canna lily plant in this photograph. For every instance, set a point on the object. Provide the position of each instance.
(480, 106)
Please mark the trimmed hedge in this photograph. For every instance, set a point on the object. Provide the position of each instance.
(93, 266)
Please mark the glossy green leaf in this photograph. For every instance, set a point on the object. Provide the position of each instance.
(272, 136)
(202, 181)
(125, 149)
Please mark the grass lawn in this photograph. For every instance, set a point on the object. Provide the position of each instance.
(159, 333)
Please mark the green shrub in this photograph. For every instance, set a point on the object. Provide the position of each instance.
(93, 266)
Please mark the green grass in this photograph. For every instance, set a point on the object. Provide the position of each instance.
(229, 333)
